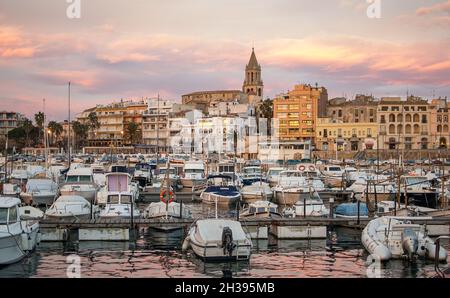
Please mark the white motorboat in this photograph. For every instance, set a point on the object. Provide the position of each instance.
(142, 174)
(117, 182)
(260, 209)
(71, 207)
(273, 176)
(418, 191)
(19, 175)
(388, 238)
(80, 182)
(218, 239)
(333, 175)
(294, 186)
(120, 205)
(40, 192)
(256, 192)
(310, 205)
(17, 237)
(220, 191)
(172, 210)
(11, 190)
(251, 174)
(194, 175)
(173, 176)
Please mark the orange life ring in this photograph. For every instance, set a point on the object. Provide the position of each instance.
(312, 168)
(301, 168)
(162, 196)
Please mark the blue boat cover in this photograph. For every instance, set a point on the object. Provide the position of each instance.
(351, 209)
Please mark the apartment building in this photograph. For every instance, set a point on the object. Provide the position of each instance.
(8, 121)
(296, 112)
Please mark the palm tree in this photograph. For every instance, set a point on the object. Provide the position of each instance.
(56, 129)
(39, 118)
(266, 111)
(93, 122)
(132, 132)
(80, 131)
(27, 126)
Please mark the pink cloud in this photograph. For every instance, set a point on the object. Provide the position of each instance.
(437, 8)
(13, 43)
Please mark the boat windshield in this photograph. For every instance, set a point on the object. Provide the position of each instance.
(292, 174)
(274, 172)
(334, 169)
(83, 178)
(164, 171)
(252, 170)
(193, 171)
(416, 180)
(3, 216)
(117, 199)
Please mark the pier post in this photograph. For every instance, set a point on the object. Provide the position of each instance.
(238, 207)
(181, 208)
(304, 207)
(358, 204)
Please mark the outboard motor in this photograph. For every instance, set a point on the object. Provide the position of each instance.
(227, 241)
(410, 243)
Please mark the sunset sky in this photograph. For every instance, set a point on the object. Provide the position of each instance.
(134, 49)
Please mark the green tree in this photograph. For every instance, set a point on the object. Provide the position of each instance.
(266, 111)
(81, 131)
(28, 127)
(56, 130)
(132, 133)
(39, 118)
(93, 122)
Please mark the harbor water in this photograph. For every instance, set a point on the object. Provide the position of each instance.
(157, 254)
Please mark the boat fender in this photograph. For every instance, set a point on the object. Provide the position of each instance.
(186, 243)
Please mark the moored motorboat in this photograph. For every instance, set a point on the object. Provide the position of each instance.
(17, 236)
(169, 210)
(218, 240)
(388, 238)
(73, 206)
(256, 191)
(80, 182)
(40, 192)
(220, 191)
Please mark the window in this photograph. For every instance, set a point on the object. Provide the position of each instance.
(294, 123)
(422, 109)
(325, 133)
(399, 118)
(294, 107)
(13, 214)
(3, 215)
(293, 115)
(282, 107)
(395, 109)
(384, 109)
(416, 118)
(391, 118)
(371, 112)
(416, 129)
(340, 113)
(369, 132)
(408, 129)
(408, 118)
(282, 115)
(392, 129)
(424, 119)
(308, 122)
(383, 119)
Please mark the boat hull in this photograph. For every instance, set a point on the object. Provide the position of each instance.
(10, 252)
(222, 201)
(215, 254)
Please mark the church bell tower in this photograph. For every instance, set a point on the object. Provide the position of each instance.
(253, 84)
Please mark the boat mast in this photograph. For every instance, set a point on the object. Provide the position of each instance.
(157, 135)
(68, 134)
(45, 136)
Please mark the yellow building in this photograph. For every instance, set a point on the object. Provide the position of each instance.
(295, 113)
(335, 134)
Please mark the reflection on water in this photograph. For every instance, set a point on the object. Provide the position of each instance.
(158, 254)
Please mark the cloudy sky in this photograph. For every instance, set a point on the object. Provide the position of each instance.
(134, 49)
